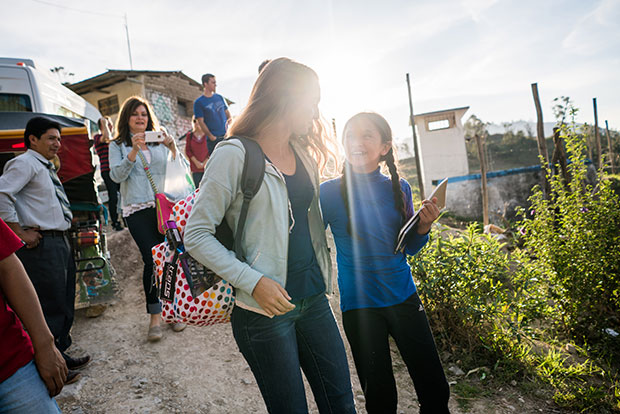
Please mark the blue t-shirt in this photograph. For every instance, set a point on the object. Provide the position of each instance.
(213, 110)
(304, 277)
(370, 275)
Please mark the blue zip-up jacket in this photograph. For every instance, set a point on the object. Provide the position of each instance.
(370, 275)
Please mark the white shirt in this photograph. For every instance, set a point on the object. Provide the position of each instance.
(28, 195)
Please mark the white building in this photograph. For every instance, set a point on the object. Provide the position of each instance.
(441, 142)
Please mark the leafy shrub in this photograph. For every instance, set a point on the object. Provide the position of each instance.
(574, 238)
(479, 304)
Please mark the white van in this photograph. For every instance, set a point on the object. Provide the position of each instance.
(24, 88)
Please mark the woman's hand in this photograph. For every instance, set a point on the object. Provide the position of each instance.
(137, 142)
(272, 297)
(428, 214)
(170, 144)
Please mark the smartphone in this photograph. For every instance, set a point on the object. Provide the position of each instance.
(153, 136)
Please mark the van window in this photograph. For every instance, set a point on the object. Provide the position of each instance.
(11, 102)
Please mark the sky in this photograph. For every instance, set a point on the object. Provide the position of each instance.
(484, 54)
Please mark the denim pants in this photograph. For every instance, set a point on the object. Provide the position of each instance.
(51, 269)
(367, 331)
(276, 348)
(143, 228)
(24, 392)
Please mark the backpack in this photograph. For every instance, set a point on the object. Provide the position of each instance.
(189, 291)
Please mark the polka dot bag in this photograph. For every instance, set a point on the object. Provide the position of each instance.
(212, 306)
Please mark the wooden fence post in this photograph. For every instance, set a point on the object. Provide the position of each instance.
(611, 153)
(483, 180)
(415, 143)
(542, 145)
(597, 136)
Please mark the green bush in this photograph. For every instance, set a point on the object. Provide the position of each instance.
(481, 301)
(573, 236)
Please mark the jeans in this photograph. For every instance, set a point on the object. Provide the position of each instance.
(143, 228)
(113, 189)
(51, 269)
(24, 392)
(276, 348)
(211, 144)
(367, 331)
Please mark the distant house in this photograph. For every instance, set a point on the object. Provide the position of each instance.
(441, 142)
(171, 94)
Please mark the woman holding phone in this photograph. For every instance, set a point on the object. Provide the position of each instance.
(130, 155)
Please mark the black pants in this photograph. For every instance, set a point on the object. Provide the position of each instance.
(143, 228)
(112, 188)
(51, 269)
(367, 331)
(197, 177)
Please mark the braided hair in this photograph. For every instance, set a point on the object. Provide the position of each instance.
(386, 137)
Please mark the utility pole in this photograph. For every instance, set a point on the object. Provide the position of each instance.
(597, 136)
(611, 153)
(415, 143)
(542, 145)
(128, 44)
(483, 180)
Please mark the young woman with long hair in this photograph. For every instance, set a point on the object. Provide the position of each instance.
(365, 211)
(282, 320)
(127, 153)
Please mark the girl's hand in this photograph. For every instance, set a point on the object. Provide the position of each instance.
(272, 297)
(428, 214)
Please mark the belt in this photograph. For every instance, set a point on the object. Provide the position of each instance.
(53, 233)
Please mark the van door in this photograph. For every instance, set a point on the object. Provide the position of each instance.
(15, 90)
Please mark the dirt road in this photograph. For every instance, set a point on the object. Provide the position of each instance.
(198, 370)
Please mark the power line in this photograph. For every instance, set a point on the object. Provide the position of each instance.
(78, 10)
(118, 16)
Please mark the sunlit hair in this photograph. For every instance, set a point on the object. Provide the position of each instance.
(277, 90)
(386, 138)
(122, 122)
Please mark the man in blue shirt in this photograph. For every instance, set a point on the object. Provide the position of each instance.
(211, 112)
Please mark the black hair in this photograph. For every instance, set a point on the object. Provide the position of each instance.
(386, 137)
(206, 77)
(37, 126)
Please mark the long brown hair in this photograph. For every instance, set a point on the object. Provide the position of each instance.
(274, 95)
(386, 138)
(122, 122)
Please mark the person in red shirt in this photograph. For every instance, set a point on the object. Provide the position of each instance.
(32, 369)
(196, 151)
(102, 142)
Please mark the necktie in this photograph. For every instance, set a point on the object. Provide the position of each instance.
(60, 193)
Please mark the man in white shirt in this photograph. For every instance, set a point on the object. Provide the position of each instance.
(34, 205)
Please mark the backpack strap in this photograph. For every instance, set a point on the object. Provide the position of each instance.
(251, 180)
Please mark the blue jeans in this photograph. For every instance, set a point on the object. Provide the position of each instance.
(24, 392)
(306, 337)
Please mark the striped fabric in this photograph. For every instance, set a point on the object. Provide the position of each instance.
(102, 149)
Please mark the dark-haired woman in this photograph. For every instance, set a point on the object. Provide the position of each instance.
(282, 321)
(127, 153)
(365, 210)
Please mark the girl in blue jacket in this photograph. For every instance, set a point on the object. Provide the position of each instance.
(365, 210)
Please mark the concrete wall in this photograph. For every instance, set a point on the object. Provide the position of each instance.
(123, 90)
(507, 190)
(443, 152)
